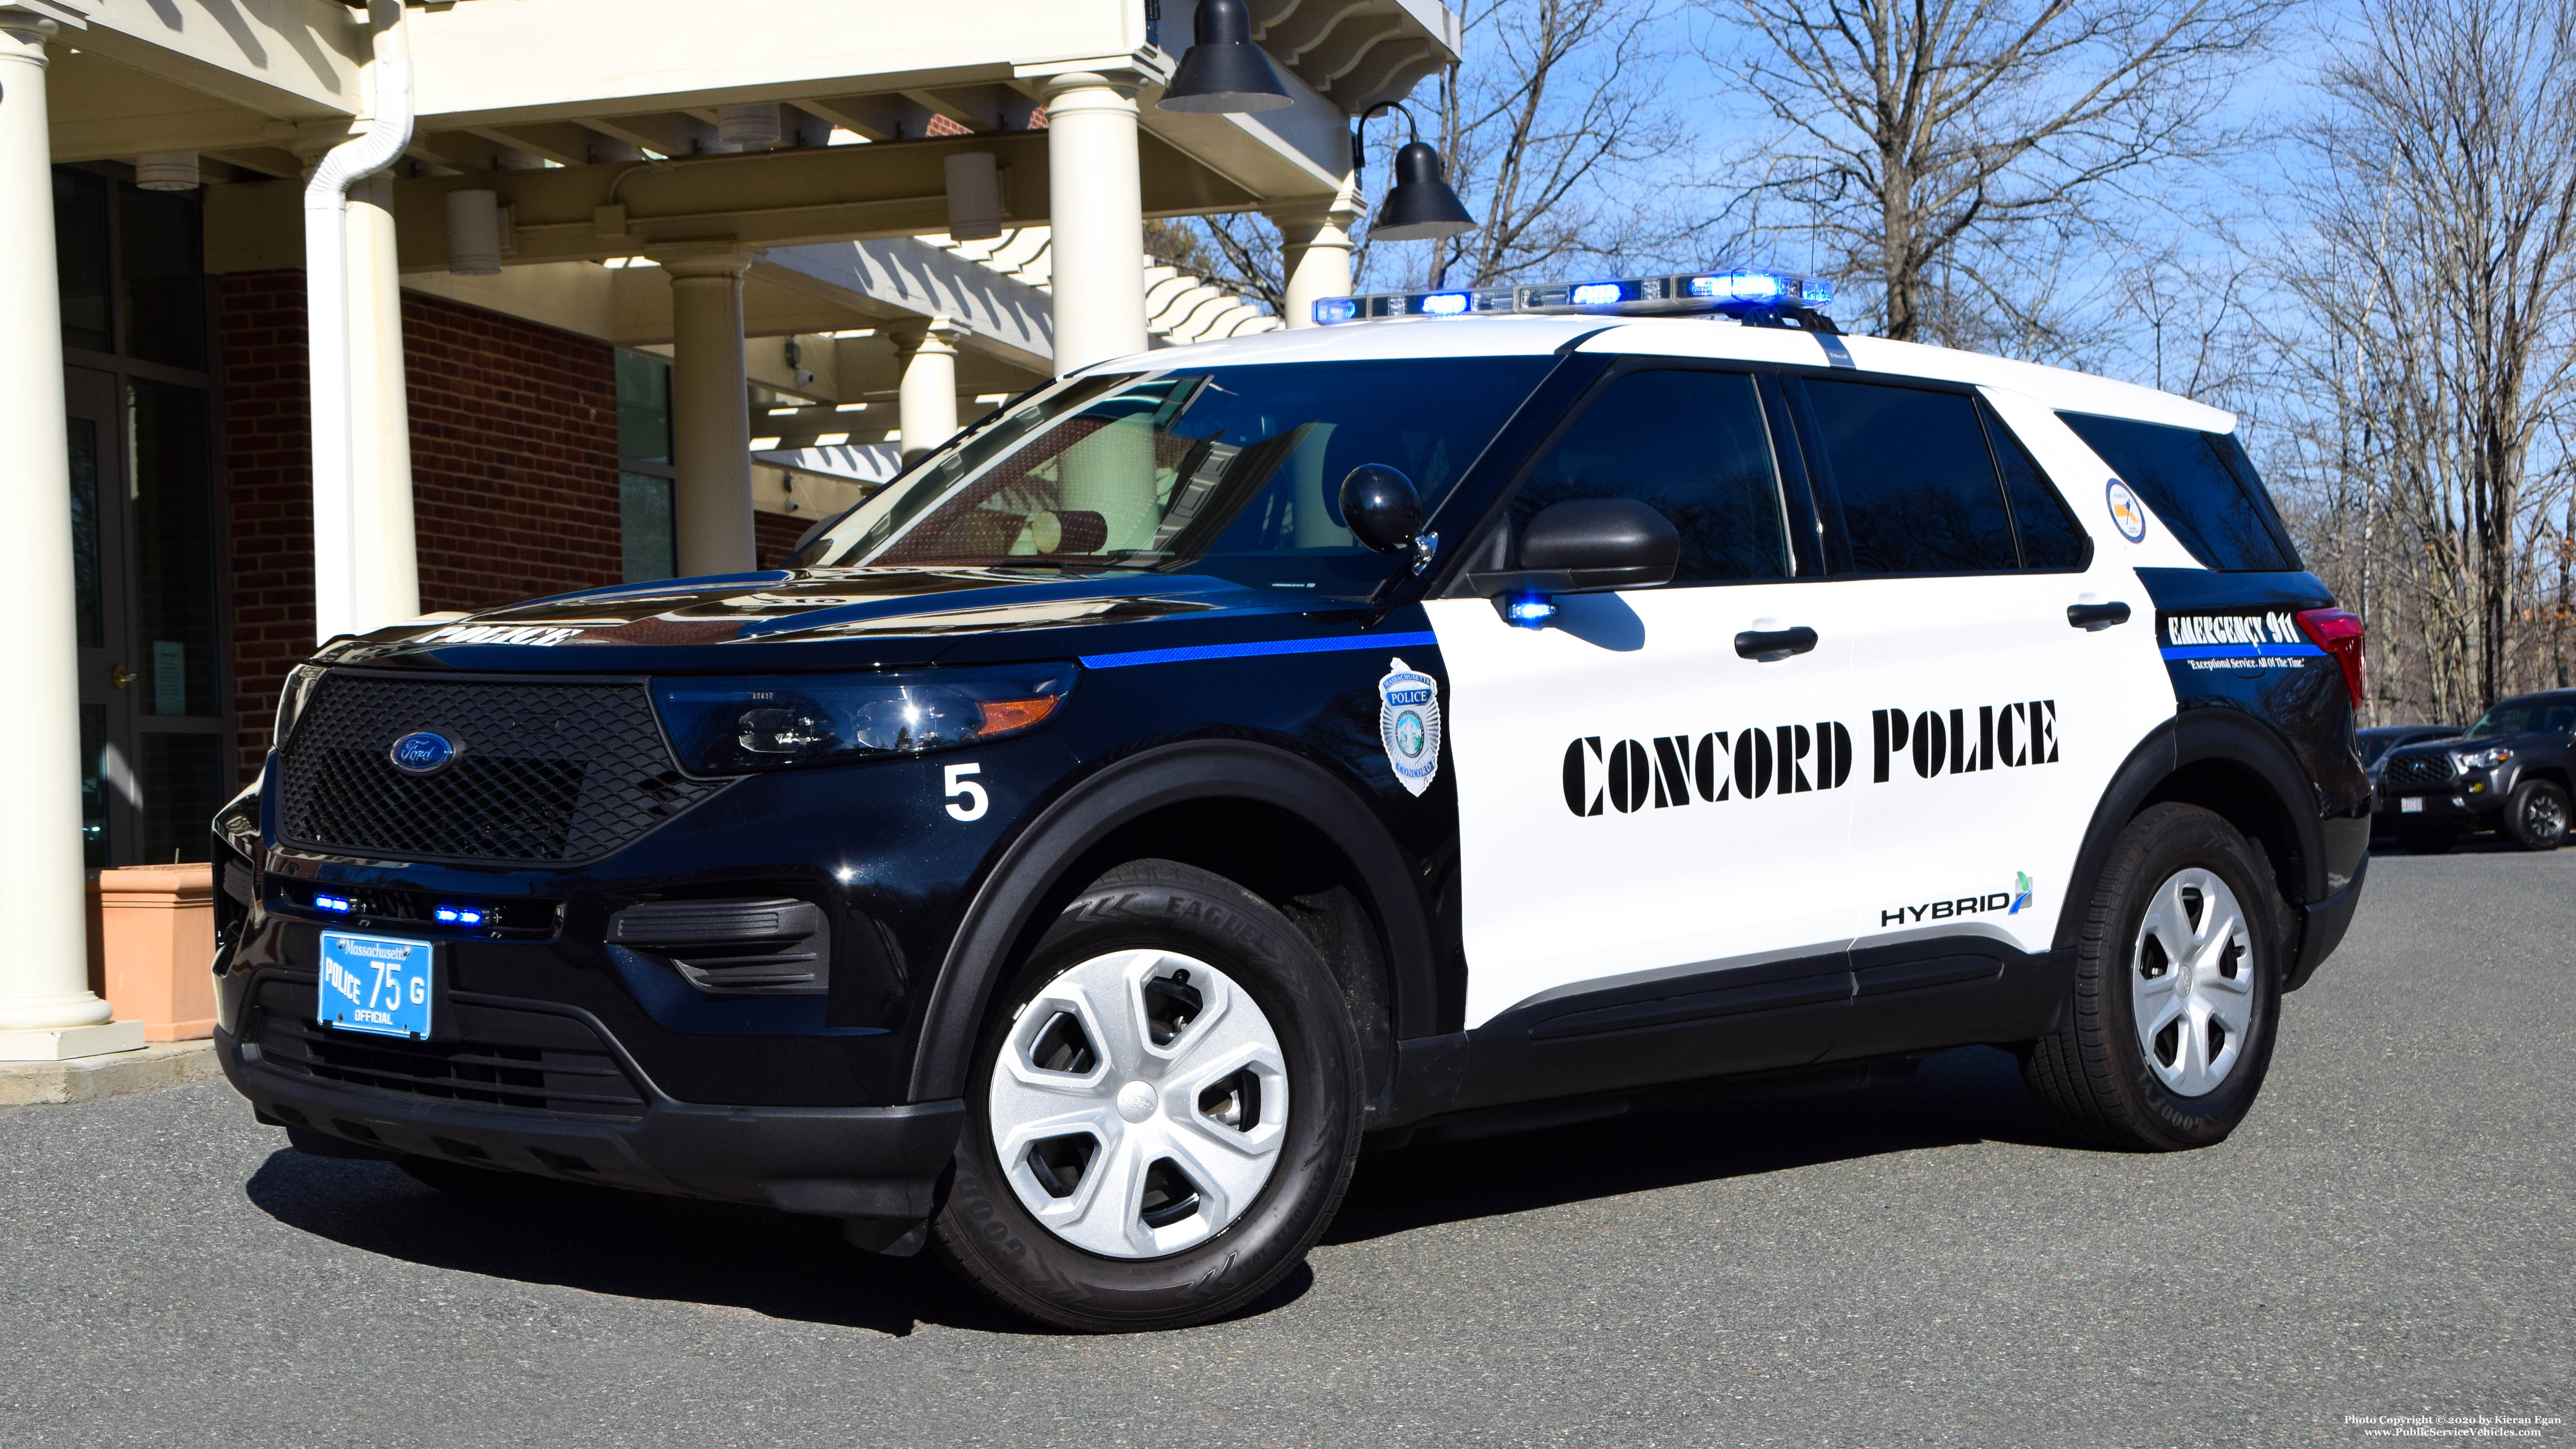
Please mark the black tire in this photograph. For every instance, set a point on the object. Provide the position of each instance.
(2535, 815)
(2417, 839)
(480, 1184)
(983, 1228)
(2092, 1075)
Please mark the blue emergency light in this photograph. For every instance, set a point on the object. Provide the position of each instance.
(331, 903)
(459, 915)
(1741, 294)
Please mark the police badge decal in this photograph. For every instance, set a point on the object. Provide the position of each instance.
(1408, 723)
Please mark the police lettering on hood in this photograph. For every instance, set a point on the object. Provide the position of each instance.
(1664, 771)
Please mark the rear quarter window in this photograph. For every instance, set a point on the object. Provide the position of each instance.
(2201, 484)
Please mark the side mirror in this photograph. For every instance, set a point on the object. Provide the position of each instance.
(1582, 546)
(1381, 508)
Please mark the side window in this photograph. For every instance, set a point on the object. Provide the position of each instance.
(1690, 445)
(2201, 485)
(2050, 536)
(1918, 486)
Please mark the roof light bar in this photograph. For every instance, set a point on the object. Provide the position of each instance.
(1735, 293)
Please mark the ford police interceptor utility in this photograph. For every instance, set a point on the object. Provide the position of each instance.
(1510, 705)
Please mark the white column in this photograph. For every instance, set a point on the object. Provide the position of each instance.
(710, 411)
(388, 576)
(1097, 241)
(46, 1009)
(926, 399)
(1315, 246)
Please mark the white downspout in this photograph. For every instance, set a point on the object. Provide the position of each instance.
(336, 559)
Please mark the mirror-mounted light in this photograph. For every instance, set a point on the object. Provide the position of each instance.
(1223, 72)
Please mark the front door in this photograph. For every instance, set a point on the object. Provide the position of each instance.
(1653, 826)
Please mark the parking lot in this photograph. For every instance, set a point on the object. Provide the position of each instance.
(1920, 1264)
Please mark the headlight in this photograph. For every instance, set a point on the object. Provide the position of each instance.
(732, 726)
(290, 700)
(2485, 759)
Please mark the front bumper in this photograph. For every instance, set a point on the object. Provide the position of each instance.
(850, 1162)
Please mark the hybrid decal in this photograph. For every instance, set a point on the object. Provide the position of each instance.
(2012, 903)
(1715, 766)
(2268, 640)
(1408, 724)
(542, 637)
(2023, 732)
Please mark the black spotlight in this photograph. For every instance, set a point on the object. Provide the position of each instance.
(1223, 70)
(1420, 207)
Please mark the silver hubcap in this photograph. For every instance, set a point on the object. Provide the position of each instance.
(2191, 983)
(1139, 1104)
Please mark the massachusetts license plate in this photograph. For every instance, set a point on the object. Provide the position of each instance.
(376, 984)
(2411, 805)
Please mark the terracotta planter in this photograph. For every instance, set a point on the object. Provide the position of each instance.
(152, 935)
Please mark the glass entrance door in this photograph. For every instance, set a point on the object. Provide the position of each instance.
(143, 550)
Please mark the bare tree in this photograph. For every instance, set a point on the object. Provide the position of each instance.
(1558, 134)
(2438, 273)
(1950, 150)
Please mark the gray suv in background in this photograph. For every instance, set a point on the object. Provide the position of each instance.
(2510, 773)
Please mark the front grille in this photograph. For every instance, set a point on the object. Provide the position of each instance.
(544, 774)
(2417, 772)
(505, 1057)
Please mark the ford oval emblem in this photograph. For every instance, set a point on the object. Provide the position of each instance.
(422, 752)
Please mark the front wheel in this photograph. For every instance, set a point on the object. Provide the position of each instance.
(2177, 990)
(1164, 1112)
(2535, 816)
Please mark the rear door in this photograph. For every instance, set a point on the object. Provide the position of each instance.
(1992, 719)
(1652, 825)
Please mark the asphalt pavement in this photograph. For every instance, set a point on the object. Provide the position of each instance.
(1918, 1264)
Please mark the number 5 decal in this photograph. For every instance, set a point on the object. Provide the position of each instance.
(972, 807)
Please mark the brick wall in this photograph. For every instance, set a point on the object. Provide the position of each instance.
(514, 470)
(268, 475)
(513, 456)
(774, 536)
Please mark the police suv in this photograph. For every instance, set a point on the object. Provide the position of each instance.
(1503, 706)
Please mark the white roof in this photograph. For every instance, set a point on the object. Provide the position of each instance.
(1709, 337)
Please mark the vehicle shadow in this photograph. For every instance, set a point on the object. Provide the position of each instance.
(625, 1244)
(1973, 1094)
(634, 1245)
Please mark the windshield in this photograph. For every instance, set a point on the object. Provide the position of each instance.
(1230, 471)
(2525, 717)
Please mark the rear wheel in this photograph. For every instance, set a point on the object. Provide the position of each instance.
(2535, 817)
(1164, 1112)
(2177, 990)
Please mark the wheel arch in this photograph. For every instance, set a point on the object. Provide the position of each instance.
(1290, 823)
(2227, 763)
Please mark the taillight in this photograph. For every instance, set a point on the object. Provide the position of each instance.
(2338, 632)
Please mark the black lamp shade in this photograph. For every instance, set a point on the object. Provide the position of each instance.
(1421, 207)
(1223, 70)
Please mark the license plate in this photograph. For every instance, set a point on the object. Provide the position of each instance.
(377, 984)
(2411, 805)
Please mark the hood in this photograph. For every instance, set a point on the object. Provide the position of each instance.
(826, 619)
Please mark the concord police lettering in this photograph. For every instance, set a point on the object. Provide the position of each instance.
(1719, 765)
(2023, 732)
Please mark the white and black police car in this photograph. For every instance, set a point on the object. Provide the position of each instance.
(1508, 706)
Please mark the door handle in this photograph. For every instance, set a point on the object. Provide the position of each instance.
(2094, 618)
(1770, 646)
(119, 677)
